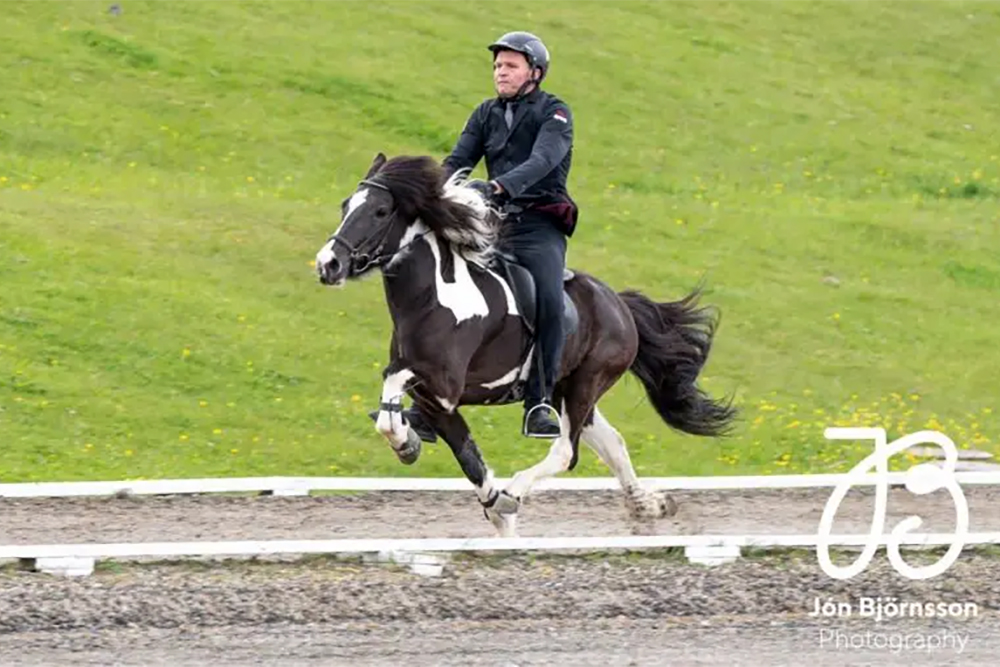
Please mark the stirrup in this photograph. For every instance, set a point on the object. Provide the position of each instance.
(543, 404)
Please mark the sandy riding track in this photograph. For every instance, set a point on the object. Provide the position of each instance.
(648, 609)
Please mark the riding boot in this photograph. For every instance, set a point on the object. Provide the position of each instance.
(416, 421)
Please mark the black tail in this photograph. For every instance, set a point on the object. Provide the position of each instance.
(674, 341)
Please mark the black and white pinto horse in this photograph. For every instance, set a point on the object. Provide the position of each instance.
(462, 317)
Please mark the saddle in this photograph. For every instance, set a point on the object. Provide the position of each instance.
(522, 284)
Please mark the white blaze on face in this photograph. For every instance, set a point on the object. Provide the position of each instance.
(325, 255)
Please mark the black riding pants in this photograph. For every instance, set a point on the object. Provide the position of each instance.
(538, 245)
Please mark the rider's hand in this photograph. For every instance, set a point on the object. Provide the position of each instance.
(482, 187)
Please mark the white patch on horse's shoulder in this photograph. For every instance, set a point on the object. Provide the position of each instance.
(462, 297)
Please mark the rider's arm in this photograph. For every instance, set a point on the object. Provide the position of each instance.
(469, 148)
(553, 142)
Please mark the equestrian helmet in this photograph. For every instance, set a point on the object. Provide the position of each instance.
(525, 43)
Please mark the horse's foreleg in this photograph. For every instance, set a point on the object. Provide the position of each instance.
(609, 445)
(390, 423)
(455, 431)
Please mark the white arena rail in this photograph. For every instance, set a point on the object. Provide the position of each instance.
(419, 553)
(305, 485)
(79, 559)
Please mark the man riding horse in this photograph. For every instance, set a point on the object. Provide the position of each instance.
(526, 136)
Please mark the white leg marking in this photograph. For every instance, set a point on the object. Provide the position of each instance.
(390, 424)
(555, 462)
(609, 445)
(446, 404)
(505, 524)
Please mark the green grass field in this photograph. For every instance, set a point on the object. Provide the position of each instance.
(166, 177)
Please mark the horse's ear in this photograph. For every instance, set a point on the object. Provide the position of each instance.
(376, 165)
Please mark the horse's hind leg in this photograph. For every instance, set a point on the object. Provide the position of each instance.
(609, 445)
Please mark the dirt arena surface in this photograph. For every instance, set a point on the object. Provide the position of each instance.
(514, 609)
(398, 514)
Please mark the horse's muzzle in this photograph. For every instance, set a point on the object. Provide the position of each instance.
(331, 272)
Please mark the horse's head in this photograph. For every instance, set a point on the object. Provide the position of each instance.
(391, 197)
(365, 238)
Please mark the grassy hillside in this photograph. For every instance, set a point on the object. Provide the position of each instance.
(167, 175)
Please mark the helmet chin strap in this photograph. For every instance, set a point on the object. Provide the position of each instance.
(524, 87)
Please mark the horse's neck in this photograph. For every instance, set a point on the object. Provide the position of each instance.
(411, 277)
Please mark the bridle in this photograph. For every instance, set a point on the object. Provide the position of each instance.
(365, 259)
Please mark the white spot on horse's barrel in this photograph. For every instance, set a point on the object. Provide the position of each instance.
(504, 381)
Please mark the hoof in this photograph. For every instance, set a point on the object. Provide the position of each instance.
(505, 524)
(506, 504)
(409, 452)
(648, 505)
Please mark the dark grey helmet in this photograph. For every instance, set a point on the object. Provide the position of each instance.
(528, 44)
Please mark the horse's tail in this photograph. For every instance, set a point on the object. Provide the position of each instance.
(674, 341)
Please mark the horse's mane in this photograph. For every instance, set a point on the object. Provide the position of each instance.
(454, 212)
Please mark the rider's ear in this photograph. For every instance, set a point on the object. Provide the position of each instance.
(376, 165)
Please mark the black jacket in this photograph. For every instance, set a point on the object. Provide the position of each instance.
(531, 160)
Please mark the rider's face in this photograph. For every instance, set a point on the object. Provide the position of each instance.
(510, 71)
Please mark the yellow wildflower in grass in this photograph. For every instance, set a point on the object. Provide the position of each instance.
(355, 398)
(202, 404)
(216, 431)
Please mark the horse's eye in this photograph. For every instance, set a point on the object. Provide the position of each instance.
(381, 212)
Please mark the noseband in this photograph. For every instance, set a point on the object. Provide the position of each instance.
(362, 261)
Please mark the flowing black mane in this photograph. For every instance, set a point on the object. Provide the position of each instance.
(455, 213)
